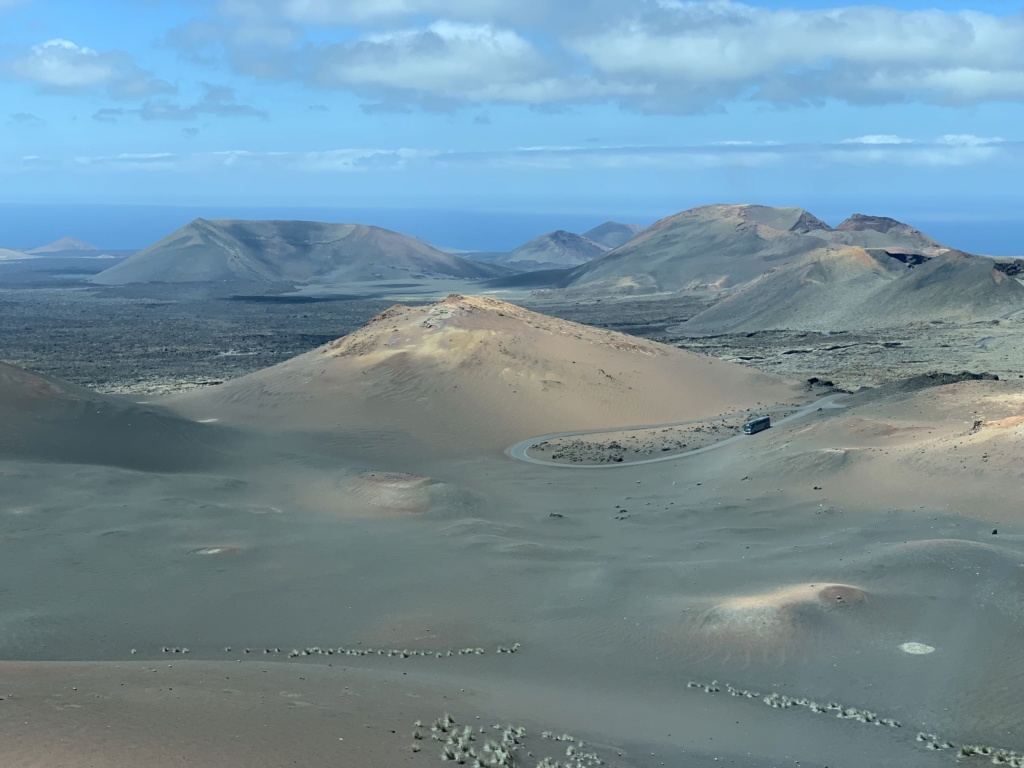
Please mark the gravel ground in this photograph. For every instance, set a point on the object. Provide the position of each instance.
(55, 324)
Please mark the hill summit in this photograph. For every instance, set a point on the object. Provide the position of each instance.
(883, 232)
(553, 250)
(304, 252)
(612, 234)
(715, 246)
(62, 245)
(471, 373)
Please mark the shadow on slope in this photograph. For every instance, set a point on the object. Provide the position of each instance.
(48, 420)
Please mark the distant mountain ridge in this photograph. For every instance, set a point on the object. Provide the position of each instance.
(553, 250)
(296, 252)
(62, 245)
(6, 254)
(850, 287)
(711, 247)
(612, 234)
(561, 249)
(882, 232)
(724, 246)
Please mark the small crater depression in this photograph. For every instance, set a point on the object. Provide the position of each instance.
(225, 550)
(778, 622)
(917, 649)
(841, 594)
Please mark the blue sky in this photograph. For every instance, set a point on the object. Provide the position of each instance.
(595, 108)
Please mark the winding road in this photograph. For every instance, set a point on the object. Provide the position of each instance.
(519, 450)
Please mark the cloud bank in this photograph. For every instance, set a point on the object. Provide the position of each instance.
(665, 56)
(62, 66)
(887, 151)
(217, 101)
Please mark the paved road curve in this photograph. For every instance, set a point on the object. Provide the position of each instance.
(518, 451)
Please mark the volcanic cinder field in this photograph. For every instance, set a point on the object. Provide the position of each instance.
(369, 554)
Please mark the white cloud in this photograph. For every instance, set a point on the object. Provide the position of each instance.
(934, 154)
(665, 56)
(446, 63)
(968, 140)
(698, 53)
(878, 138)
(337, 12)
(352, 160)
(930, 157)
(63, 66)
(349, 160)
(752, 155)
(217, 101)
(949, 84)
(629, 158)
(744, 143)
(150, 162)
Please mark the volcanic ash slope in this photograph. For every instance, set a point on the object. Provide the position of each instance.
(714, 246)
(45, 419)
(851, 288)
(818, 290)
(954, 446)
(470, 374)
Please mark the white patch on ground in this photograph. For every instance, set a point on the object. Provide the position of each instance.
(918, 649)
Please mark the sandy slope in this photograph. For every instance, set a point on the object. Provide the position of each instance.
(470, 374)
(958, 440)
